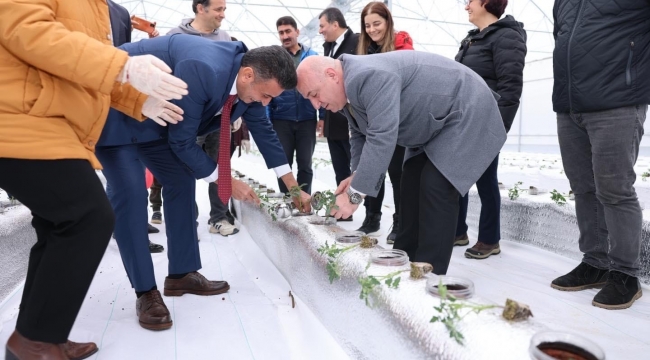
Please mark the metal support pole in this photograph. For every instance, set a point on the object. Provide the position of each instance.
(389, 4)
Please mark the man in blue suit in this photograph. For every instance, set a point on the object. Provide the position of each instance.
(213, 71)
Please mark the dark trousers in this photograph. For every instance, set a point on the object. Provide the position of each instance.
(373, 204)
(489, 225)
(298, 137)
(155, 195)
(341, 157)
(123, 170)
(428, 214)
(210, 144)
(599, 150)
(73, 221)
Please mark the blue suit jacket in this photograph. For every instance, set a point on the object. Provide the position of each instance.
(209, 68)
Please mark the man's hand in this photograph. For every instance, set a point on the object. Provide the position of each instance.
(305, 200)
(161, 111)
(345, 207)
(344, 186)
(235, 125)
(246, 144)
(154, 34)
(241, 191)
(320, 128)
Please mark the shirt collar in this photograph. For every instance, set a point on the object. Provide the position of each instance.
(233, 90)
(339, 41)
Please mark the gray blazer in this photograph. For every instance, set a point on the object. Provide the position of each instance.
(426, 103)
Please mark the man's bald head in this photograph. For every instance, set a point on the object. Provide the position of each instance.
(320, 79)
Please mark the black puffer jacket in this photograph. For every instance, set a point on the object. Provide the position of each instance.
(602, 54)
(498, 55)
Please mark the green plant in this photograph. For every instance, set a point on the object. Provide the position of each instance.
(558, 197)
(334, 252)
(325, 199)
(450, 312)
(369, 282)
(513, 193)
(645, 175)
(295, 192)
(316, 162)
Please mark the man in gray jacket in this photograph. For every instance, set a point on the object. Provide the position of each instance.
(441, 111)
(207, 20)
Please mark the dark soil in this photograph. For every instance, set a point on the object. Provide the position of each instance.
(563, 351)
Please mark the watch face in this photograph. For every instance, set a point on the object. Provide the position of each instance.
(355, 198)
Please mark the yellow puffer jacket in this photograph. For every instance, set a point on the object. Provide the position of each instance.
(57, 78)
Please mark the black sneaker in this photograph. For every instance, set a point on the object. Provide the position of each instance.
(584, 276)
(370, 224)
(156, 218)
(155, 248)
(393, 230)
(152, 229)
(620, 292)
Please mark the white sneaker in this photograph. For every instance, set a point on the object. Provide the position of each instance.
(223, 227)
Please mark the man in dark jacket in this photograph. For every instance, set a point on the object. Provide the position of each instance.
(601, 66)
(339, 39)
(293, 116)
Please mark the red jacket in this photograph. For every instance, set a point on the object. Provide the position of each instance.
(403, 41)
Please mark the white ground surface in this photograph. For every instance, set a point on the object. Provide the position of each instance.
(255, 319)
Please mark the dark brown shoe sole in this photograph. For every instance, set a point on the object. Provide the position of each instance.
(620, 306)
(156, 327)
(579, 288)
(180, 292)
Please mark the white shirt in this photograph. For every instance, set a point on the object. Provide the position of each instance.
(339, 41)
(279, 171)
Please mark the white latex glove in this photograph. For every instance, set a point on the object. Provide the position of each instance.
(246, 145)
(236, 125)
(150, 75)
(161, 111)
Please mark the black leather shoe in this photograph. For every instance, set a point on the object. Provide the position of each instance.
(152, 229)
(620, 292)
(155, 248)
(371, 223)
(584, 276)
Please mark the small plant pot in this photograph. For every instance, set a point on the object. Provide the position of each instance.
(554, 345)
(282, 211)
(389, 257)
(533, 190)
(319, 220)
(458, 287)
(262, 186)
(297, 212)
(501, 186)
(572, 196)
(349, 237)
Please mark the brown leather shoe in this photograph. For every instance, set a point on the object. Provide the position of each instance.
(21, 348)
(482, 250)
(461, 240)
(79, 351)
(194, 283)
(152, 312)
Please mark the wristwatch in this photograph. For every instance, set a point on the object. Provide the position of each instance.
(355, 198)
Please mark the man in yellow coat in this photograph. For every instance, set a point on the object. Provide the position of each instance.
(59, 75)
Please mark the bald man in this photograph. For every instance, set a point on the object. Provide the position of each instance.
(440, 110)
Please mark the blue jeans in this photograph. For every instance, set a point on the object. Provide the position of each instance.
(599, 150)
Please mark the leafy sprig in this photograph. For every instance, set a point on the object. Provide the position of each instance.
(513, 193)
(333, 253)
(558, 197)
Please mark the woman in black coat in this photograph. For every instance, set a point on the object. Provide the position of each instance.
(495, 50)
